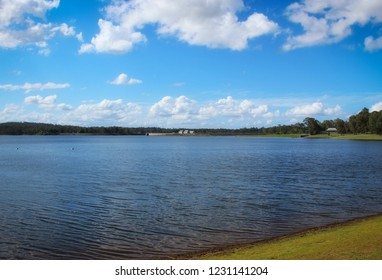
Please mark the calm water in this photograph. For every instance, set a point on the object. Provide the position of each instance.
(153, 197)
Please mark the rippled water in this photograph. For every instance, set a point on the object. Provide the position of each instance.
(96, 197)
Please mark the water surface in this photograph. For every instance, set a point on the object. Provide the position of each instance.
(136, 197)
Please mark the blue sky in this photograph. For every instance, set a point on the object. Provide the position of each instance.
(188, 63)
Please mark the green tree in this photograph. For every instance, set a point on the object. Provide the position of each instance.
(327, 124)
(313, 126)
(340, 125)
(362, 121)
(353, 124)
(375, 122)
(378, 126)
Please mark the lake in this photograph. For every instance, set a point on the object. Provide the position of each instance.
(139, 197)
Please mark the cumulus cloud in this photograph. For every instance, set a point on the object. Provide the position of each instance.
(66, 30)
(372, 44)
(182, 111)
(180, 108)
(15, 10)
(376, 107)
(28, 87)
(22, 22)
(330, 21)
(107, 112)
(112, 39)
(123, 79)
(9, 113)
(47, 103)
(64, 107)
(229, 107)
(43, 102)
(314, 109)
(169, 111)
(214, 24)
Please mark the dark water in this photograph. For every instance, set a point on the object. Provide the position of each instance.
(153, 197)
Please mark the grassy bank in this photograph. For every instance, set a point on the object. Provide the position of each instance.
(290, 135)
(373, 137)
(359, 239)
(348, 136)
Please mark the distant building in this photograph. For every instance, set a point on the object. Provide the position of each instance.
(331, 129)
(186, 131)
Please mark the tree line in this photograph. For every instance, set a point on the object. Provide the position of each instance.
(30, 128)
(363, 122)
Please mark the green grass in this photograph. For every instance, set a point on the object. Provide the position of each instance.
(347, 136)
(324, 136)
(272, 136)
(356, 240)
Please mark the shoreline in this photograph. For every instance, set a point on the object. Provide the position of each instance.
(362, 137)
(220, 253)
(359, 137)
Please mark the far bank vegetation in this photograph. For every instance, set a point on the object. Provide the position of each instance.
(364, 122)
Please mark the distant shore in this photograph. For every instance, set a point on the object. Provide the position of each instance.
(370, 137)
(357, 239)
(298, 130)
(365, 137)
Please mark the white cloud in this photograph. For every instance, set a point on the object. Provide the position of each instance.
(169, 111)
(180, 108)
(43, 102)
(47, 103)
(10, 109)
(376, 107)
(10, 113)
(86, 48)
(65, 30)
(314, 109)
(329, 21)
(50, 85)
(113, 39)
(372, 44)
(333, 111)
(80, 37)
(15, 10)
(211, 23)
(183, 111)
(28, 87)
(229, 107)
(106, 112)
(64, 107)
(123, 79)
(22, 23)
